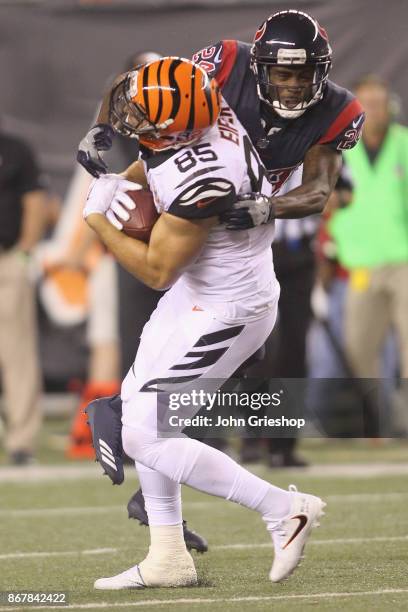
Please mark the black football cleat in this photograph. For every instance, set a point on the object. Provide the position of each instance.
(136, 510)
(105, 421)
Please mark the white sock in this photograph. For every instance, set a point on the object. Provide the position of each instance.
(243, 487)
(162, 497)
(275, 505)
(204, 468)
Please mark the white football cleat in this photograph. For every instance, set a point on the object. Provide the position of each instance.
(289, 535)
(129, 579)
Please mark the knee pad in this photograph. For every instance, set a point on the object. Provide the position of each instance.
(173, 457)
(139, 443)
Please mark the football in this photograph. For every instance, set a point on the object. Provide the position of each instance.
(143, 217)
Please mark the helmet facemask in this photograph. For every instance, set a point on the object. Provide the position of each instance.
(273, 94)
(127, 117)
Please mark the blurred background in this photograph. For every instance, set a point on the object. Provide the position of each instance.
(56, 60)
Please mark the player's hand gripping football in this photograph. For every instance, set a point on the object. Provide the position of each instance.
(99, 138)
(251, 210)
(106, 196)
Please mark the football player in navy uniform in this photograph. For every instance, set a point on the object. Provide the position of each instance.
(279, 89)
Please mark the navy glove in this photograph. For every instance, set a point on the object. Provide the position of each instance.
(99, 138)
(251, 210)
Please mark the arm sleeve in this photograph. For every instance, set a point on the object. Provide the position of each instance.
(218, 59)
(204, 198)
(345, 131)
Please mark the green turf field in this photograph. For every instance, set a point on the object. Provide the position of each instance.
(53, 533)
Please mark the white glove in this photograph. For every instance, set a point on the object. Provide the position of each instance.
(120, 206)
(106, 196)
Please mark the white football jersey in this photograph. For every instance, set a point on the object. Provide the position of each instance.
(234, 272)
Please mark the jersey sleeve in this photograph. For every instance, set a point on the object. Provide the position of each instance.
(200, 181)
(206, 197)
(345, 131)
(218, 60)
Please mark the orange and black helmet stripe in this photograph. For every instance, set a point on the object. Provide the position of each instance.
(166, 101)
(160, 100)
(175, 89)
(146, 90)
(194, 82)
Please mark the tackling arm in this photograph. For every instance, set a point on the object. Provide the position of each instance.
(103, 114)
(321, 168)
(174, 244)
(98, 139)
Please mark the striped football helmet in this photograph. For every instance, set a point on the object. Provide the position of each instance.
(167, 103)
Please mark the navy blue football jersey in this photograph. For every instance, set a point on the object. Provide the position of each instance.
(336, 120)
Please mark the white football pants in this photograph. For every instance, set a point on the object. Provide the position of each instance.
(185, 343)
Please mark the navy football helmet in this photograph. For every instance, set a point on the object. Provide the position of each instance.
(293, 41)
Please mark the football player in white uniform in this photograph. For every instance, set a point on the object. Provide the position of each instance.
(220, 309)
